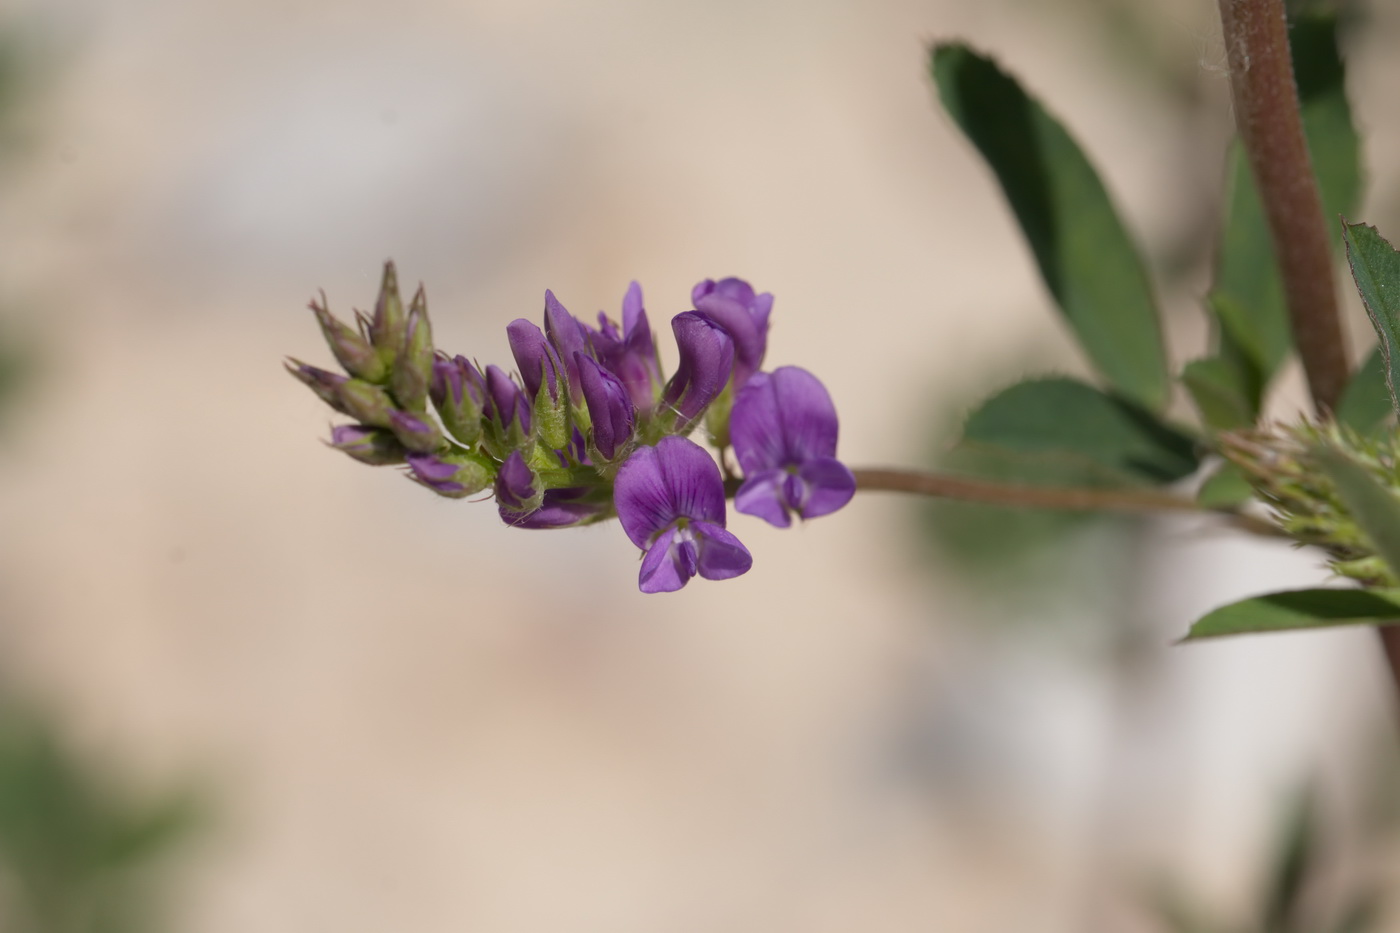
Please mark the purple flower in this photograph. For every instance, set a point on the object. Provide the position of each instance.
(670, 499)
(522, 504)
(784, 432)
(609, 407)
(732, 305)
(706, 360)
(454, 474)
(630, 353)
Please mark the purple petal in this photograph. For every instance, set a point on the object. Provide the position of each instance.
(535, 358)
(507, 402)
(609, 406)
(734, 319)
(706, 361)
(560, 508)
(431, 468)
(568, 337)
(761, 495)
(657, 485)
(722, 556)
(634, 315)
(660, 571)
(782, 419)
(691, 475)
(829, 486)
(515, 485)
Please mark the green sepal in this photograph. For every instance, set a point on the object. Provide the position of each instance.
(413, 367)
(551, 416)
(386, 329)
(366, 403)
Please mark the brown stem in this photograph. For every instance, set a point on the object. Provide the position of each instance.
(943, 486)
(1271, 128)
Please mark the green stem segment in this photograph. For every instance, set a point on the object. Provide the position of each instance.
(1271, 128)
(944, 486)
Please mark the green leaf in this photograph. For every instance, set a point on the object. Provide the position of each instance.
(1299, 609)
(1247, 295)
(1066, 431)
(1373, 507)
(1365, 406)
(1226, 488)
(1085, 255)
(1375, 265)
(1221, 393)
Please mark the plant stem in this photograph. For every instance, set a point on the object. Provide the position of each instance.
(1271, 129)
(944, 486)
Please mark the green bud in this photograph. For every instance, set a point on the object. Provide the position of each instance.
(374, 446)
(386, 329)
(551, 417)
(351, 349)
(366, 402)
(413, 368)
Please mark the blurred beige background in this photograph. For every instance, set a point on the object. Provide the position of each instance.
(413, 718)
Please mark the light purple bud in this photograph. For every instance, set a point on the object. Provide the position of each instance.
(417, 434)
(455, 474)
(324, 383)
(609, 407)
(506, 404)
(706, 361)
(458, 391)
(374, 446)
(631, 354)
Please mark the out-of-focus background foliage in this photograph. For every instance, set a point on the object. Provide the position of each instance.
(400, 714)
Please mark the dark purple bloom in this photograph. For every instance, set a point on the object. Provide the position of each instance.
(733, 305)
(568, 337)
(538, 363)
(706, 360)
(505, 403)
(458, 391)
(609, 407)
(517, 487)
(670, 499)
(630, 353)
(784, 428)
(454, 474)
(522, 504)
(374, 446)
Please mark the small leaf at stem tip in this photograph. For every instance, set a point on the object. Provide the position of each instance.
(1299, 609)
(1375, 266)
(1085, 254)
(1065, 424)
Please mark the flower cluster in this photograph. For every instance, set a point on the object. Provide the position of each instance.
(588, 428)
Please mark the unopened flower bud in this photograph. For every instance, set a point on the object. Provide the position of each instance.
(375, 446)
(609, 407)
(365, 402)
(417, 434)
(413, 368)
(518, 490)
(324, 383)
(458, 391)
(453, 474)
(386, 329)
(351, 349)
(706, 361)
(543, 375)
(507, 412)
